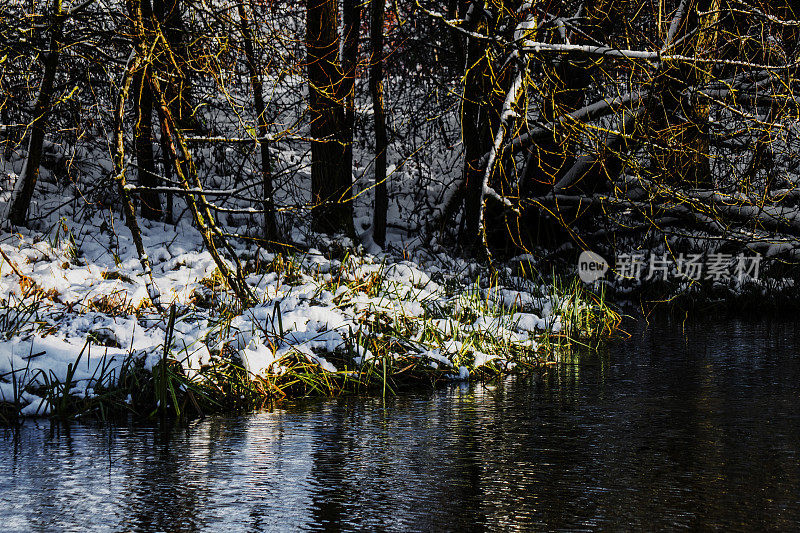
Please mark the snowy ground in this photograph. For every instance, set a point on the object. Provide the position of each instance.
(80, 311)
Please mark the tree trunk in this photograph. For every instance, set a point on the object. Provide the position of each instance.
(376, 90)
(168, 163)
(176, 66)
(351, 26)
(143, 141)
(128, 209)
(17, 208)
(476, 135)
(141, 12)
(331, 178)
(270, 230)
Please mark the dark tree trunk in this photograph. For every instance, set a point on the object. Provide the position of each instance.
(270, 230)
(376, 90)
(8, 143)
(174, 68)
(143, 130)
(331, 178)
(351, 26)
(456, 36)
(17, 208)
(476, 134)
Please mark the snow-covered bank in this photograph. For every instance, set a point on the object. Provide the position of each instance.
(76, 320)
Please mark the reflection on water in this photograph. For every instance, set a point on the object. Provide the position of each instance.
(675, 428)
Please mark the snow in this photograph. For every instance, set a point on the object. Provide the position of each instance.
(91, 314)
(258, 358)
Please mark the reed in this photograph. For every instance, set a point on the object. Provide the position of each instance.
(465, 330)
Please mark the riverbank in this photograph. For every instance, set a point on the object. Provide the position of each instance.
(80, 336)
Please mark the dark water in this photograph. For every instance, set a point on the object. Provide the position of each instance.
(695, 428)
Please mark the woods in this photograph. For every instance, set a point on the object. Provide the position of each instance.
(500, 127)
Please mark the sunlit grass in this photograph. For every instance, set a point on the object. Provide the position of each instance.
(463, 328)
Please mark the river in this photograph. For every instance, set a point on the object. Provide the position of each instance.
(692, 426)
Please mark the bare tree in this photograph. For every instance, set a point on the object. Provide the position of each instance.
(17, 208)
(141, 13)
(175, 61)
(270, 227)
(631, 119)
(351, 27)
(331, 178)
(376, 64)
(476, 128)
